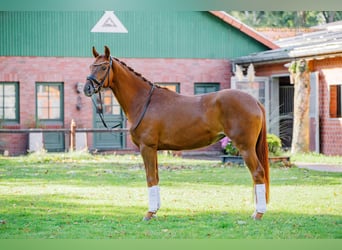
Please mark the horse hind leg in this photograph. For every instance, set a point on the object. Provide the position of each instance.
(258, 176)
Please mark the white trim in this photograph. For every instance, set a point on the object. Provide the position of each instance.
(109, 23)
(314, 107)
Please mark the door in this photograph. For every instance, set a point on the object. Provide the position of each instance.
(113, 116)
(49, 113)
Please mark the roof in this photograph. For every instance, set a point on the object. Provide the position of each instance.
(276, 33)
(244, 28)
(319, 44)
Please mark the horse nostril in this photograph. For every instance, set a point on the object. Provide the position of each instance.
(88, 90)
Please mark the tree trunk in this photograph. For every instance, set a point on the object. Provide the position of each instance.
(301, 124)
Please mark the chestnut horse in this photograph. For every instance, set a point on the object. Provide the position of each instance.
(164, 120)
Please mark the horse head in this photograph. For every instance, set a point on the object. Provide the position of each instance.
(99, 73)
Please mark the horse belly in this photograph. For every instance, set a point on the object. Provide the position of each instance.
(195, 135)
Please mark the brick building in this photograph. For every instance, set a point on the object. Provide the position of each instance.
(323, 51)
(45, 58)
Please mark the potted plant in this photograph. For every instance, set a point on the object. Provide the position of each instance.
(275, 151)
(231, 153)
(276, 154)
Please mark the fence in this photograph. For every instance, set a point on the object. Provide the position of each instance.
(76, 138)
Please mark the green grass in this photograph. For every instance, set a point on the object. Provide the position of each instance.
(316, 158)
(83, 196)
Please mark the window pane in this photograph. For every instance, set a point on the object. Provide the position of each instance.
(109, 103)
(48, 101)
(8, 101)
(9, 113)
(54, 113)
(173, 86)
(9, 90)
(204, 88)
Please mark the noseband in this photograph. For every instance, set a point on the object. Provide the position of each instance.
(93, 79)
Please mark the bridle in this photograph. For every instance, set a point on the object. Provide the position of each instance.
(98, 88)
(93, 79)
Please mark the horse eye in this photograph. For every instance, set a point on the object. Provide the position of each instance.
(103, 67)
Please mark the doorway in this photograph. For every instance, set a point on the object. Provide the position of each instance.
(286, 99)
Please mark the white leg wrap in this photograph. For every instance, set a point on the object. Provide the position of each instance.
(260, 198)
(153, 199)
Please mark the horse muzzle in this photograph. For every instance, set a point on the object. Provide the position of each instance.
(88, 89)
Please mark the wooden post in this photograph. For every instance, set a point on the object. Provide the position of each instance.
(72, 135)
(301, 122)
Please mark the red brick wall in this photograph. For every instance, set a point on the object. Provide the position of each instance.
(330, 128)
(29, 70)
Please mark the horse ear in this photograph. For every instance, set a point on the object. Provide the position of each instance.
(107, 52)
(95, 53)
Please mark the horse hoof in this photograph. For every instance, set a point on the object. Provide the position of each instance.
(257, 216)
(149, 216)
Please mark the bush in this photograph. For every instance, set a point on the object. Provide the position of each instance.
(230, 149)
(273, 141)
(274, 144)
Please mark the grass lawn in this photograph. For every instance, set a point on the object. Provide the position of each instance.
(83, 196)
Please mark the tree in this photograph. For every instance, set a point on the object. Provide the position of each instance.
(286, 19)
(332, 16)
(300, 76)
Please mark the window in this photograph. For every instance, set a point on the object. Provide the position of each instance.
(49, 101)
(335, 106)
(256, 88)
(110, 104)
(259, 89)
(9, 101)
(203, 88)
(173, 86)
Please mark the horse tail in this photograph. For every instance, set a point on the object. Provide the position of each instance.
(262, 152)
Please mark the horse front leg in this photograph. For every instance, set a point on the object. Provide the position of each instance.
(151, 168)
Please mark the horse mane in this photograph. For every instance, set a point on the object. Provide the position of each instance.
(136, 73)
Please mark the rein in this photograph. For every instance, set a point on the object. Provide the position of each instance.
(145, 108)
(101, 113)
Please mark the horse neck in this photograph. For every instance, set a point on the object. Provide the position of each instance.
(130, 90)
